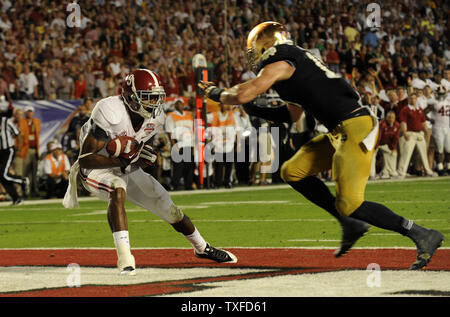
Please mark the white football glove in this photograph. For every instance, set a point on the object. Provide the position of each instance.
(148, 155)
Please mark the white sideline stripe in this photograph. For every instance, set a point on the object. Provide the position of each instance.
(204, 205)
(229, 247)
(247, 188)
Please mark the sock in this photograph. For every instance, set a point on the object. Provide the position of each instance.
(121, 237)
(197, 241)
(122, 243)
(382, 217)
(318, 193)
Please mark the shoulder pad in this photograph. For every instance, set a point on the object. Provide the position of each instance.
(106, 112)
(283, 52)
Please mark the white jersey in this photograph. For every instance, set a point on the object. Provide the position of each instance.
(112, 116)
(441, 114)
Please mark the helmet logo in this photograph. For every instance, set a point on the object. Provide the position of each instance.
(129, 79)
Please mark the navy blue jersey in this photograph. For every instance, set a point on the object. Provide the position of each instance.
(321, 92)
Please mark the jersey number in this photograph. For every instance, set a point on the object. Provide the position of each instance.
(315, 60)
(444, 111)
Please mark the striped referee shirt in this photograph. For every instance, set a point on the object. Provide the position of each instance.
(8, 132)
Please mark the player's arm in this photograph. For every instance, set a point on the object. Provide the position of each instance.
(89, 157)
(246, 92)
(249, 90)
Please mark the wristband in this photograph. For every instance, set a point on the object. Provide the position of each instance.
(214, 93)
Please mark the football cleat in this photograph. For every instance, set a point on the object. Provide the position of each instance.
(426, 247)
(126, 265)
(129, 270)
(18, 202)
(220, 256)
(351, 232)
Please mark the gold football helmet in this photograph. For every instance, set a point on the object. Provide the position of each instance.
(262, 37)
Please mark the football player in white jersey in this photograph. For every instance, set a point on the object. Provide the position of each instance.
(136, 113)
(440, 111)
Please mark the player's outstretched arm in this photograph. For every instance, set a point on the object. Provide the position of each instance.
(249, 90)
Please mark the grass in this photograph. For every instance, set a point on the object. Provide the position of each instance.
(273, 217)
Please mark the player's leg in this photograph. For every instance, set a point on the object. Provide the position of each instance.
(148, 193)
(447, 151)
(112, 188)
(312, 158)
(438, 136)
(406, 148)
(422, 149)
(351, 167)
(9, 181)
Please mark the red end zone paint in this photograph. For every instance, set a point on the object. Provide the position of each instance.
(283, 262)
(260, 258)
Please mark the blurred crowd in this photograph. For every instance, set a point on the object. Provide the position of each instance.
(400, 63)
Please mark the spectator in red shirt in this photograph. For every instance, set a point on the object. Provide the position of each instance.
(333, 58)
(412, 126)
(387, 144)
(402, 100)
(80, 90)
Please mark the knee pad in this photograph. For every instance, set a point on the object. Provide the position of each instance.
(175, 214)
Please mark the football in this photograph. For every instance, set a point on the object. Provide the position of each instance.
(122, 145)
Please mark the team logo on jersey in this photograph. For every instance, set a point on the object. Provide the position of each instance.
(269, 52)
(149, 127)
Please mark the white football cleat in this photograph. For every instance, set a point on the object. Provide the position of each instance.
(126, 265)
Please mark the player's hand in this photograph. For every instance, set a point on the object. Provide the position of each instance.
(206, 87)
(148, 155)
(131, 155)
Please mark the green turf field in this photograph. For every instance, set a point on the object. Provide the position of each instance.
(273, 216)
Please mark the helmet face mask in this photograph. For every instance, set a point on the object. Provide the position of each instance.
(147, 102)
(262, 37)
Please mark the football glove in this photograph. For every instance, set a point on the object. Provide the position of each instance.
(148, 156)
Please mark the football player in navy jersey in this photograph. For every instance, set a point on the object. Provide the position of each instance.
(306, 84)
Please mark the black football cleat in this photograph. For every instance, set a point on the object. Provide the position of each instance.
(426, 247)
(18, 202)
(220, 256)
(351, 232)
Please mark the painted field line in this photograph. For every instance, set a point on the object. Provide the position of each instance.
(312, 240)
(442, 180)
(195, 220)
(221, 246)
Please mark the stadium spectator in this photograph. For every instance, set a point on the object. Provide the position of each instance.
(412, 125)
(20, 142)
(4, 90)
(31, 148)
(387, 144)
(28, 84)
(409, 50)
(223, 132)
(180, 127)
(80, 90)
(56, 169)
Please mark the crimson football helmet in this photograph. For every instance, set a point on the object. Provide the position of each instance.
(143, 93)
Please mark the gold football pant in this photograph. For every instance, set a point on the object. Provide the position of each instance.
(342, 152)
